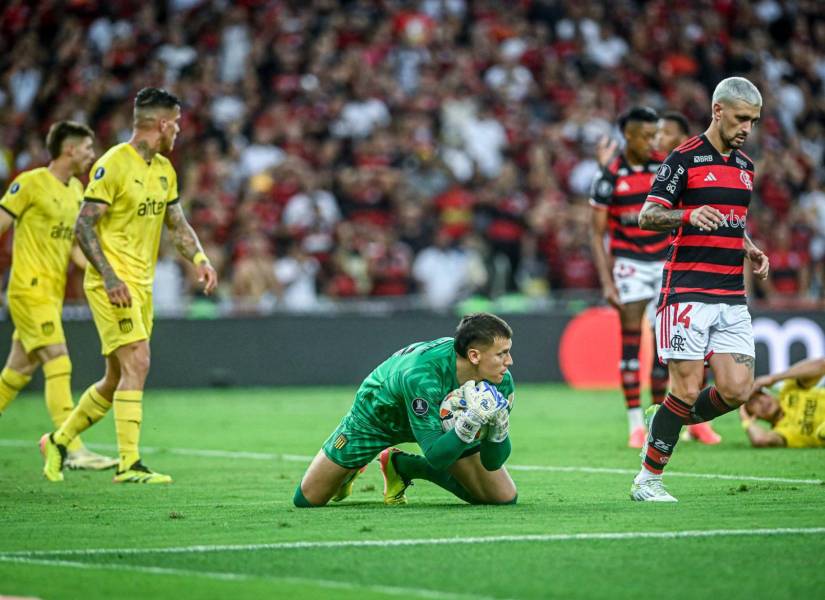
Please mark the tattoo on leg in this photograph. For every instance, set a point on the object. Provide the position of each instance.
(744, 359)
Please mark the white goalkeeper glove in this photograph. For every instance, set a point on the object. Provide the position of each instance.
(467, 424)
(499, 426)
(484, 398)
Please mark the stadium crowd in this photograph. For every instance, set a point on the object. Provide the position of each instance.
(445, 148)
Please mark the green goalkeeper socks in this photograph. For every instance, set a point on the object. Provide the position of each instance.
(413, 466)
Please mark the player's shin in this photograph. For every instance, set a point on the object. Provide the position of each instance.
(658, 379)
(709, 405)
(58, 391)
(128, 405)
(91, 407)
(11, 382)
(414, 466)
(629, 369)
(663, 435)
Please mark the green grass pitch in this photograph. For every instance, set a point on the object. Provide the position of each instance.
(749, 524)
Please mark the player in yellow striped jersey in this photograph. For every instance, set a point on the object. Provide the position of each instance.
(132, 192)
(796, 414)
(43, 204)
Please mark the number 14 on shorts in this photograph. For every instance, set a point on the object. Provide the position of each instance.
(670, 318)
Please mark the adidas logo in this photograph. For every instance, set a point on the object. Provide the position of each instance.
(622, 187)
(710, 177)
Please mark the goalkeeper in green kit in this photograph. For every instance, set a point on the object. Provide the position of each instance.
(399, 402)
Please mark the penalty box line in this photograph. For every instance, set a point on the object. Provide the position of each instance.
(392, 543)
(268, 456)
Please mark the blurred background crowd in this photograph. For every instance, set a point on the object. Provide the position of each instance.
(429, 150)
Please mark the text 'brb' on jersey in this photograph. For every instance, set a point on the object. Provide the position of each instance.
(622, 190)
(705, 266)
(137, 193)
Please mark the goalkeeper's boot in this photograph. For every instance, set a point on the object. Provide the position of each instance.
(346, 488)
(54, 455)
(650, 490)
(86, 460)
(704, 433)
(140, 473)
(394, 485)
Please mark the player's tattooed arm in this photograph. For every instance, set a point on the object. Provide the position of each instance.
(84, 230)
(183, 236)
(656, 217)
(188, 244)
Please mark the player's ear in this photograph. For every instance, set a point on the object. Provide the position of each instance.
(474, 356)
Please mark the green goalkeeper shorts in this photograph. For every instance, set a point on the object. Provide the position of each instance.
(353, 445)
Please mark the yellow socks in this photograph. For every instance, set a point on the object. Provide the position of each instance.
(58, 375)
(11, 382)
(128, 415)
(91, 407)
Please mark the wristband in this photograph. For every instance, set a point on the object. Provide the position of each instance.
(686, 216)
(200, 258)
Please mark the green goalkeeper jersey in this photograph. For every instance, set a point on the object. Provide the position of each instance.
(400, 399)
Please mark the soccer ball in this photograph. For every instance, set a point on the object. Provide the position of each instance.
(452, 404)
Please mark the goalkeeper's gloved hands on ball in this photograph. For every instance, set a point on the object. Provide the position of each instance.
(499, 426)
(483, 398)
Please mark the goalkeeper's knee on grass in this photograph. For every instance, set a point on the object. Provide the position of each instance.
(300, 501)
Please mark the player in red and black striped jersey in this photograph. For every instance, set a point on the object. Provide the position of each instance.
(703, 189)
(637, 256)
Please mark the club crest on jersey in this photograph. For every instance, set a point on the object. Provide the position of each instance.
(47, 328)
(340, 441)
(420, 406)
(164, 183)
(663, 173)
(15, 187)
(100, 172)
(746, 179)
(125, 325)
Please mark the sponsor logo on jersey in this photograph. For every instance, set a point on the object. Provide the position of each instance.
(164, 183)
(15, 187)
(741, 162)
(710, 177)
(674, 181)
(151, 208)
(702, 159)
(420, 406)
(100, 172)
(340, 441)
(47, 328)
(745, 177)
(61, 232)
(125, 325)
(604, 188)
(622, 187)
(733, 220)
(663, 173)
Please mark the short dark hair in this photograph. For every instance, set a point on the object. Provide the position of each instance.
(643, 114)
(679, 119)
(155, 98)
(479, 329)
(62, 130)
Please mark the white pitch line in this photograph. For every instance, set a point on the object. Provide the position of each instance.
(229, 576)
(267, 456)
(546, 538)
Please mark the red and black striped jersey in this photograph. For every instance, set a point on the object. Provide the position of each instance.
(621, 190)
(705, 266)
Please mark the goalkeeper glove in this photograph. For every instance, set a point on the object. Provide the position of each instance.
(484, 398)
(499, 426)
(467, 424)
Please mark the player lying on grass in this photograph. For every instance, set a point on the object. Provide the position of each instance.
(399, 402)
(796, 414)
